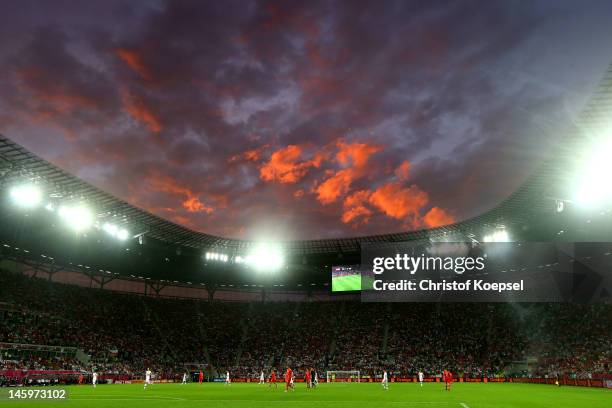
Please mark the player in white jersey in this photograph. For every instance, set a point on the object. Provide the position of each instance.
(262, 378)
(421, 377)
(315, 379)
(385, 380)
(184, 378)
(147, 378)
(227, 378)
(94, 379)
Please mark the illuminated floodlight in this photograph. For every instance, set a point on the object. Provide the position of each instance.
(216, 256)
(27, 195)
(594, 186)
(501, 235)
(122, 234)
(110, 229)
(114, 231)
(78, 218)
(238, 259)
(50, 207)
(265, 257)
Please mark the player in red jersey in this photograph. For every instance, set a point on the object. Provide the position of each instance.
(201, 377)
(307, 378)
(273, 379)
(288, 377)
(448, 380)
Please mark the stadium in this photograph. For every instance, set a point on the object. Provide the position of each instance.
(121, 285)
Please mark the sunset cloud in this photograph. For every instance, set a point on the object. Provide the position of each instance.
(335, 186)
(394, 201)
(139, 111)
(191, 202)
(252, 155)
(436, 217)
(354, 157)
(355, 208)
(277, 113)
(134, 61)
(355, 154)
(399, 202)
(287, 166)
(402, 172)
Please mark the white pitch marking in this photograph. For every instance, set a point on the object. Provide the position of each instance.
(464, 405)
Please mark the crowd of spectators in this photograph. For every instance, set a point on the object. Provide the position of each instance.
(126, 334)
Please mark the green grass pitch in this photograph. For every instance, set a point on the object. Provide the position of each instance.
(337, 395)
(345, 283)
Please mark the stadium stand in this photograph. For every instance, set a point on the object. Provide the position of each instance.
(122, 334)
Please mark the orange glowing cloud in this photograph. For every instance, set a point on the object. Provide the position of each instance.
(335, 186)
(399, 202)
(138, 110)
(355, 157)
(134, 61)
(355, 208)
(191, 203)
(356, 154)
(252, 155)
(286, 165)
(403, 171)
(437, 217)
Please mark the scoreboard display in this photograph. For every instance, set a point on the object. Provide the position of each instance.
(346, 278)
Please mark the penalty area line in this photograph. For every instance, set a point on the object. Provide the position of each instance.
(464, 405)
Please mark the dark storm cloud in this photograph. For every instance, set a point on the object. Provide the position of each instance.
(290, 119)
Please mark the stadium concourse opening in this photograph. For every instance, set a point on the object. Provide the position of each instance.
(256, 204)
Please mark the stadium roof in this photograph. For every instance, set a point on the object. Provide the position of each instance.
(538, 193)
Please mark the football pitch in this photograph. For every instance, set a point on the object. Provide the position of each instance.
(337, 395)
(345, 283)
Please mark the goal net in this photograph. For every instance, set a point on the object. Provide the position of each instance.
(343, 376)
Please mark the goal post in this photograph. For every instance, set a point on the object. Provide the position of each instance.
(343, 376)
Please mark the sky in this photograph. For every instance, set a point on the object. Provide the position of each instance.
(299, 119)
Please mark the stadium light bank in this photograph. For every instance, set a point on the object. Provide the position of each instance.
(79, 217)
(593, 180)
(264, 257)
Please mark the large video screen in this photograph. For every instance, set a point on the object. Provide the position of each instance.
(346, 278)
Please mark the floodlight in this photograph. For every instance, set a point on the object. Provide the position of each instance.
(265, 257)
(594, 180)
(501, 235)
(123, 234)
(27, 195)
(78, 217)
(111, 229)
